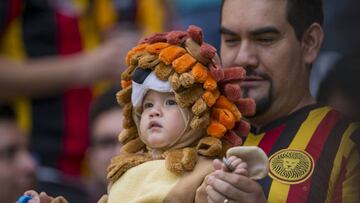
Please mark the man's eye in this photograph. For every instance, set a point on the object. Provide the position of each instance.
(9, 152)
(148, 105)
(266, 40)
(171, 102)
(232, 41)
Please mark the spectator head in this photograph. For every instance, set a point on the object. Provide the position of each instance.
(17, 167)
(341, 86)
(105, 125)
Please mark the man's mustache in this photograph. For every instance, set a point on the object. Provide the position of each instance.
(251, 72)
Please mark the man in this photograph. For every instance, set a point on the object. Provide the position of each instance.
(17, 167)
(313, 150)
(105, 125)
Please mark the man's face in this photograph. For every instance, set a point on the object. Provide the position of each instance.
(105, 144)
(17, 167)
(161, 123)
(256, 35)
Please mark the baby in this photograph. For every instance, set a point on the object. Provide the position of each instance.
(176, 122)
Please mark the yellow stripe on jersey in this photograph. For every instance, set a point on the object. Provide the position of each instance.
(23, 112)
(105, 14)
(346, 150)
(151, 16)
(13, 47)
(279, 191)
(308, 128)
(252, 140)
(351, 187)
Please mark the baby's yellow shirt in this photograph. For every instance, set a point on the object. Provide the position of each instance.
(147, 182)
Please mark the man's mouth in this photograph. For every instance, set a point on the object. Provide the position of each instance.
(154, 124)
(253, 79)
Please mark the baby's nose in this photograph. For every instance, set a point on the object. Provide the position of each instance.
(155, 112)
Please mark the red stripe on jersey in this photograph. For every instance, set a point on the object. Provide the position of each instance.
(314, 148)
(69, 38)
(76, 105)
(76, 101)
(270, 138)
(14, 9)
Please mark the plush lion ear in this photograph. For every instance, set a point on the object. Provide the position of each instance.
(181, 160)
(209, 146)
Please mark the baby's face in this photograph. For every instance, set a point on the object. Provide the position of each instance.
(161, 122)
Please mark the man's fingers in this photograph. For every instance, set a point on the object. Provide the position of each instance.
(241, 171)
(209, 200)
(223, 188)
(240, 182)
(218, 165)
(213, 195)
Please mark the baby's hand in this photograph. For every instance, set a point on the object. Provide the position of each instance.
(30, 196)
(235, 165)
(37, 198)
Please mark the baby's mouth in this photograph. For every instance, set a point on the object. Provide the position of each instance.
(154, 124)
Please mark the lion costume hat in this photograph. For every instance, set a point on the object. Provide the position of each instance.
(192, 68)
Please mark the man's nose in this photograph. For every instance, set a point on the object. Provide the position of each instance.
(247, 55)
(27, 162)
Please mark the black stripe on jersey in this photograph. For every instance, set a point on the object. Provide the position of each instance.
(284, 140)
(324, 165)
(40, 40)
(355, 137)
(4, 15)
(48, 119)
(39, 29)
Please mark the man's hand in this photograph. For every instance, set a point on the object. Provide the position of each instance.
(233, 187)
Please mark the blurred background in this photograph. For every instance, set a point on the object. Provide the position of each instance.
(60, 63)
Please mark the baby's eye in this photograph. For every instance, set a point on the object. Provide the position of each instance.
(147, 105)
(171, 102)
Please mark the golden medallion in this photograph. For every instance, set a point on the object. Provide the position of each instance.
(291, 166)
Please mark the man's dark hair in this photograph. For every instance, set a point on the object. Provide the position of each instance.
(7, 112)
(103, 103)
(301, 14)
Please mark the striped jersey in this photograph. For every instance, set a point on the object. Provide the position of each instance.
(32, 29)
(313, 157)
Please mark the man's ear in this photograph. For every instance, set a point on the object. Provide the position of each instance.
(311, 42)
